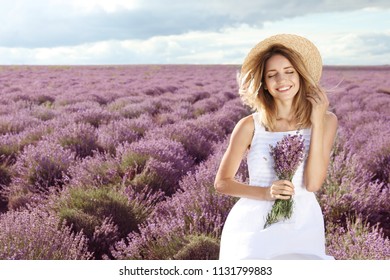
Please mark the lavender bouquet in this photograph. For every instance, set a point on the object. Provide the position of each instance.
(288, 154)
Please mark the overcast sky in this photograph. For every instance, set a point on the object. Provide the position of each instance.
(347, 32)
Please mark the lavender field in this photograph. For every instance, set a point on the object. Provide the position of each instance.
(118, 162)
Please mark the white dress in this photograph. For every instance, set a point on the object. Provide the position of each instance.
(300, 237)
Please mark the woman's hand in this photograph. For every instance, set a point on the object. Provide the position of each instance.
(281, 189)
(320, 104)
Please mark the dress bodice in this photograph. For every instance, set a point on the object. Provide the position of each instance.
(260, 162)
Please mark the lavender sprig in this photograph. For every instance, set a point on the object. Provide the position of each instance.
(288, 154)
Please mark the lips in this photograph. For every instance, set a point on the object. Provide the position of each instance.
(283, 88)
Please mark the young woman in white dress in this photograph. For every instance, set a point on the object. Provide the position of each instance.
(279, 79)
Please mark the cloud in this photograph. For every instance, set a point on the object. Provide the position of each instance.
(40, 24)
(203, 47)
(376, 44)
(366, 48)
(135, 32)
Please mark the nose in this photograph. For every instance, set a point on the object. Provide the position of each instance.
(280, 77)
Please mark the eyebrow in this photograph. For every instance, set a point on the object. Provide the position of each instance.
(283, 69)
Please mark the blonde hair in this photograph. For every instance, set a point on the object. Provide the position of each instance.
(252, 92)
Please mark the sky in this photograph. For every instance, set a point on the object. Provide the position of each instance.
(91, 32)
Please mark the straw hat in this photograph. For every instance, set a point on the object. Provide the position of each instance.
(307, 50)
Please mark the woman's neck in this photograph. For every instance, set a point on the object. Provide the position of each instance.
(285, 113)
(286, 125)
(285, 118)
(284, 110)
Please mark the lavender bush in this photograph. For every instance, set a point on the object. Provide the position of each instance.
(103, 238)
(39, 169)
(87, 208)
(80, 138)
(9, 147)
(115, 133)
(95, 117)
(35, 234)
(103, 214)
(198, 247)
(357, 241)
(14, 124)
(97, 170)
(158, 164)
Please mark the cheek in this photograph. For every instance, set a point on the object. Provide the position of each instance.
(296, 80)
(267, 83)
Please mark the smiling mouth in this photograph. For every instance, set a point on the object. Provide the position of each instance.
(284, 88)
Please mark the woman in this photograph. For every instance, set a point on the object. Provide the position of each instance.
(280, 80)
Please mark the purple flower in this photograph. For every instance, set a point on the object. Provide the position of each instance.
(288, 154)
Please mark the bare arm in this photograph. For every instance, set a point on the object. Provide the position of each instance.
(324, 127)
(226, 184)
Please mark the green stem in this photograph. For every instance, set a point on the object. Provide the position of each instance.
(281, 210)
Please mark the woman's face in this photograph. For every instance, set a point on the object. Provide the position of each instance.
(281, 78)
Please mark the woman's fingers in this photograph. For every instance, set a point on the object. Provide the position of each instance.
(276, 195)
(283, 183)
(317, 97)
(283, 197)
(282, 189)
(311, 98)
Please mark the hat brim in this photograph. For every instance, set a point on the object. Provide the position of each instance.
(309, 53)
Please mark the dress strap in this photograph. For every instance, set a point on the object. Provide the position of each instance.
(257, 120)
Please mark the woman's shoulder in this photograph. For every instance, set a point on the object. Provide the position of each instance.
(244, 129)
(246, 124)
(243, 132)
